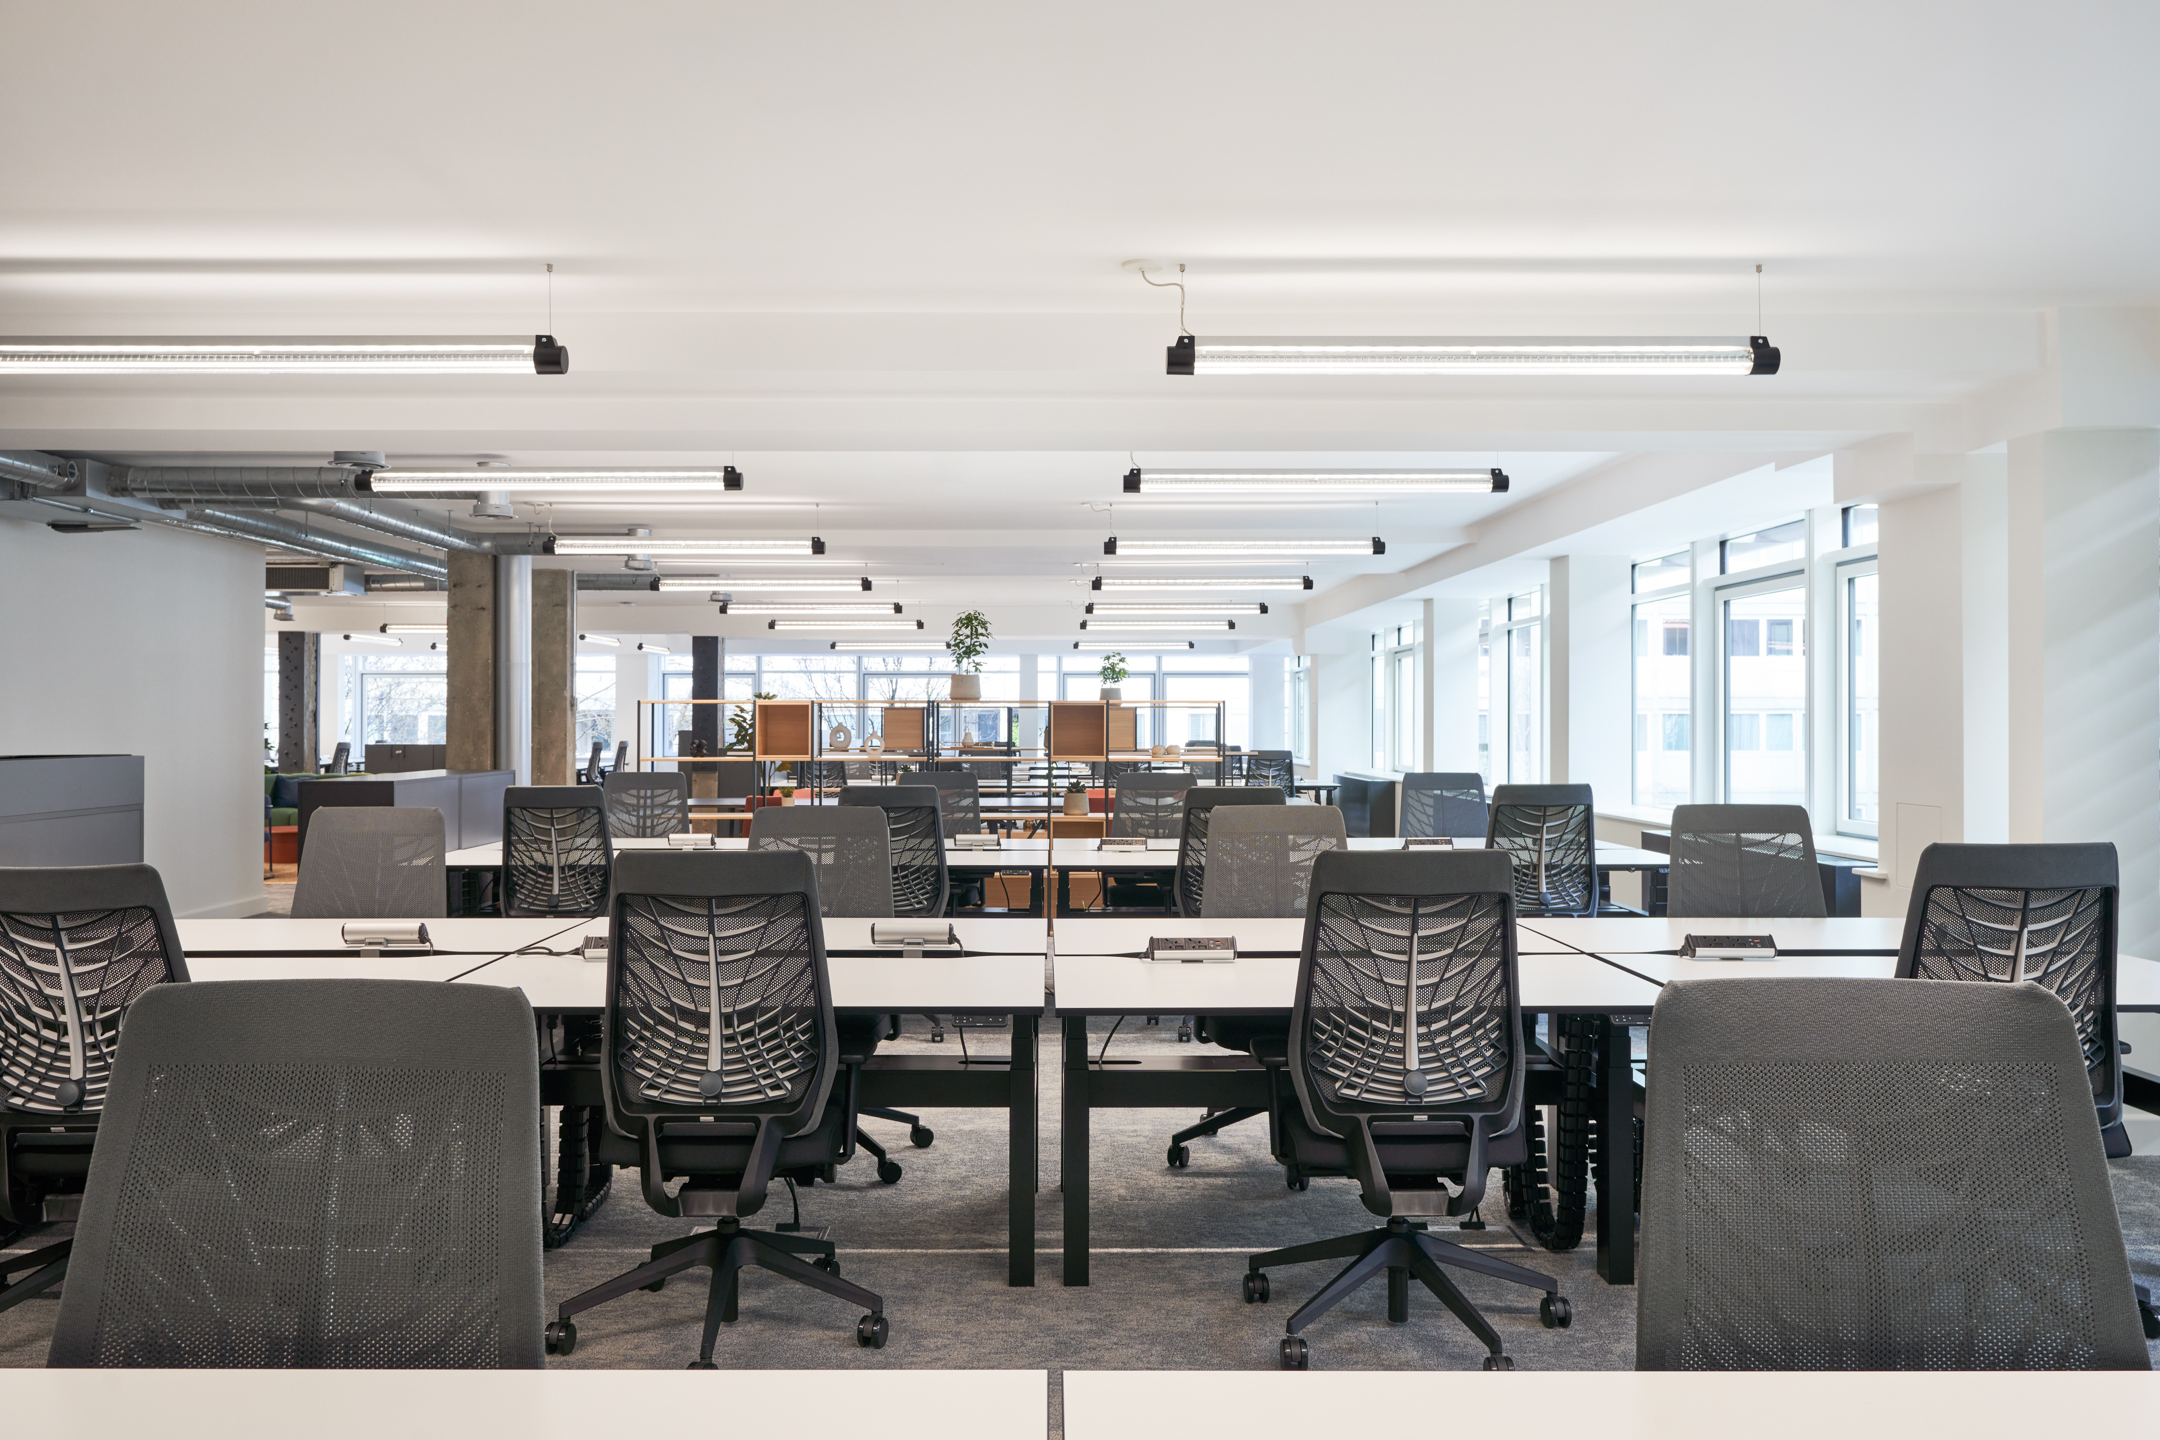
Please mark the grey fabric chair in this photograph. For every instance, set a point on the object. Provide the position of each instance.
(1269, 767)
(722, 1067)
(1201, 803)
(917, 836)
(370, 862)
(1441, 802)
(1749, 861)
(321, 1174)
(1875, 1175)
(78, 947)
(959, 799)
(646, 804)
(1150, 803)
(1547, 831)
(555, 851)
(1406, 1058)
(592, 772)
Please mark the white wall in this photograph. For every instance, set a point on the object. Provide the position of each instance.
(1268, 731)
(1590, 705)
(150, 643)
(1342, 698)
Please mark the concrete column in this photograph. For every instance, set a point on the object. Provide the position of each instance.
(1588, 652)
(513, 689)
(705, 672)
(299, 696)
(554, 669)
(1451, 648)
(470, 717)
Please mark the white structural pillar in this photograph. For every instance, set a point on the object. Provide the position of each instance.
(1587, 634)
(1268, 730)
(513, 681)
(1451, 698)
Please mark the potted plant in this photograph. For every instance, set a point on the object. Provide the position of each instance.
(784, 783)
(1113, 673)
(1076, 796)
(969, 640)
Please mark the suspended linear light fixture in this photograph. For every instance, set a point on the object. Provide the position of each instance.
(910, 647)
(283, 354)
(442, 629)
(660, 549)
(1464, 355)
(654, 649)
(1229, 607)
(1151, 625)
(477, 482)
(374, 639)
(1199, 582)
(843, 625)
(601, 639)
(1148, 549)
(811, 607)
(1314, 483)
(1133, 647)
(753, 582)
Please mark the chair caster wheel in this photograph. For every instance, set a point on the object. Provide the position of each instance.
(889, 1171)
(561, 1337)
(1297, 1181)
(1498, 1362)
(1295, 1353)
(1554, 1312)
(937, 1037)
(1180, 1156)
(921, 1136)
(702, 1365)
(870, 1332)
(1256, 1287)
(658, 1285)
(830, 1264)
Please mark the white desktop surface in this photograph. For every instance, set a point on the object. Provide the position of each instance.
(283, 935)
(983, 934)
(1262, 984)
(983, 984)
(1012, 855)
(2137, 980)
(1619, 1404)
(532, 1404)
(1650, 935)
(208, 969)
(1088, 854)
(1128, 935)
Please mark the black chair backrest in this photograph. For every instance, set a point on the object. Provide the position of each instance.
(592, 764)
(373, 862)
(314, 1174)
(1547, 831)
(1406, 1002)
(915, 830)
(646, 804)
(1260, 858)
(1442, 802)
(847, 843)
(959, 798)
(1269, 767)
(1752, 861)
(555, 850)
(341, 757)
(1150, 803)
(1200, 802)
(622, 754)
(78, 947)
(2043, 913)
(718, 1000)
(1875, 1175)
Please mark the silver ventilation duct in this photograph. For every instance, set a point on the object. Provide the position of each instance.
(41, 472)
(274, 531)
(617, 582)
(234, 483)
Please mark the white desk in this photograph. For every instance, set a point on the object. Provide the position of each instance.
(944, 984)
(282, 935)
(2137, 980)
(1012, 855)
(207, 969)
(1650, 935)
(981, 934)
(1618, 1405)
(1266, 985)
(1128, 935)
(533, 1404)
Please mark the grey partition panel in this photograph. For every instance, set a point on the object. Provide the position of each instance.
(480, 811)
(1367, 803)
(71, 810)
(471, 803)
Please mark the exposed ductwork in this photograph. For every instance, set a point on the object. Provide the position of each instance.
(240, 484)
(40, 472)
(427, 532)
(617, 582)
(275, 531)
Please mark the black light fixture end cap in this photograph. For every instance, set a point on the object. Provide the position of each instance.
(896, 607)
(550, 358)
(772, 624)
(1090, 608)
(1096, 583)
(1132, 481)
(547, 547)
(730, 478)
(1263, 607)
(1767, 356)
(918, 624)
(1109, 546)
(1308, 581)
(1499, 481)
(1379, 546)
(866, 583)
(1180, 356)
(817, 545)
(723, 607)
(1229, 624)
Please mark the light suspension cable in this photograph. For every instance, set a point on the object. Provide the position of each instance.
(284, 354)
(1315, 482)
(1467, 355)
(1201, 582)
(476, 482)
(1286, 548)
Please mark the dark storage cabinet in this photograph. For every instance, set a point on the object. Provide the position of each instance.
(1367, 803)
(471, 802)
(71, 809)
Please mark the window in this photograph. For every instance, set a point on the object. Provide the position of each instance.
(1778, 731)
(1524, 673)
(1663, 572)
(1674, 633)
(1860, 752)
(1403, 700)
(1744, 730)
(1676, 735)
(594, 688)
(1484, 695)
(270, 706)
(1859, 525)
(1765, 680)
(1764, 547)
(1664, 683)
(1746, 638)
(1298, 704)
(400, 699)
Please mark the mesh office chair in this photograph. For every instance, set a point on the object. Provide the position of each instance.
(314, 1174)
(1149, 804)
(853, 856)
(78, 947)
(1883, 1176)
(646, 804)
(590, 774)
(555, 851)
(1439, 802)
(1269, 767)
(622, 756)
(1260, 863)
(959, 813)
(722, 1067)
(369, 862)
(340, 759)
(1751, 861)
(1201, 802)
(918, 844)
(1546, 831)
(1406, 1055)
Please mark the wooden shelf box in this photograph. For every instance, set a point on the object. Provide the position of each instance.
(1079, 730)
(784, 730)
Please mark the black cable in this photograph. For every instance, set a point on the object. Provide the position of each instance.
(1107, 1039)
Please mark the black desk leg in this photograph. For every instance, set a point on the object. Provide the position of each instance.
(1616, 1159)
(1020, 1157)
(1073, 1149)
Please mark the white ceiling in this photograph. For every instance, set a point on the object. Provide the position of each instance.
(870, 253)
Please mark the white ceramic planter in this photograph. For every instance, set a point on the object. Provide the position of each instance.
(967, 687)
(1112, 692)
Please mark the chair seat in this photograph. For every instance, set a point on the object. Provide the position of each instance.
(51, 1156)
(1238, 1032)
(1400, 1156)
(719, 1160)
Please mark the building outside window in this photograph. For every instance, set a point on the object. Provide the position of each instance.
(1663, 682)
(1766, 690)
(1764, 547)
(1402, 698)
(398, 699)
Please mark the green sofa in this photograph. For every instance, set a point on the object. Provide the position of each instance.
(281, 795)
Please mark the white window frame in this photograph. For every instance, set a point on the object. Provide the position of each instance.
(1502, 681)
(1863, 561)
(1764, 580)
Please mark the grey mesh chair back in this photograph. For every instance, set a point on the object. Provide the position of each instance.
(959, 799)
(1753, 861)
(847, 844)
(590, 775)
(1269, 767)
(622, 756)
(915, 830)
(1440, 802)
(78, 947)
(1200, 804)
(373, 862)
(314, 1174)
(1406, 1012)
(2043, 913)
(1150, 803)
(719, 1012)
(1546, 831)
(340, 758)
(1875, 1175)
(555, 850)
(646, 804)
(1260, 857)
